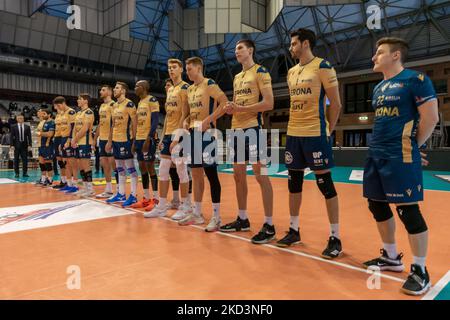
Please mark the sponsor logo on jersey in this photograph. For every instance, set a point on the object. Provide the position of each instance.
(243, 91)
(387, 112)
(301, 91)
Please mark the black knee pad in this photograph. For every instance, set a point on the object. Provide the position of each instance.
(48, 166)
(154, 180)
(61, 164)
(88, 176)
(145, 180)
(380, 210)
(326, 185)
(412, 219)
(83, 175)
(214, 182)
(42, 167)
(175, 179)
(295, 183)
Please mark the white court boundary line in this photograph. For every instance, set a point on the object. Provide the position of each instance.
(302, 254)
(438, 287)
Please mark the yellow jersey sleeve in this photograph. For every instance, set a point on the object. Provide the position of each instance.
(327, 75)
(214, 90)
(263, 78)
(154, 104)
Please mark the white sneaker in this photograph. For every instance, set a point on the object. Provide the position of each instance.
(80, 193)
(157, 212)
(192, 219)
(104, 195)
(173, 205)
(213, 225)
(183, 211)
(89, 194)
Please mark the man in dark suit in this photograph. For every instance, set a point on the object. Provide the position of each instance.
(21, 144)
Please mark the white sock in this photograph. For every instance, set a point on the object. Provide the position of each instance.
(162, 202)
(43, 178)
(268, 220)
(134, 183)
(334, 230)
(243, 214)
(295, 222)
(85, 184)
(176, 196)
(69, 183)
(391, 249)
(216, 210)
(122, 184)
(189, 198)
(420, 261)
(89, 186)
(197, 208)
(184, 201)
(147, 194)
(75, 182)
(155, 195)
(63, 179)
(108, 187)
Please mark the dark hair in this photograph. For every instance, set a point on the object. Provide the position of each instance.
(145, 85)
(85, 96)
(396, 44)
(59, 100)
(305, 34)
(45, 109)
(249, 44)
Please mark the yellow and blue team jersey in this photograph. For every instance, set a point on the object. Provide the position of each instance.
(247, 87)
(58, 119)
(104, 124)
(201, 100)
(146, 107)
(82, 118)
(67, 119)
(307, 84)
(396, 102)
(46, 126)
(176, 96)
(122, 114)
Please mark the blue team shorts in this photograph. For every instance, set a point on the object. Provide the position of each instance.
(102, 150)
(47, 152)
(315, 153)
(122, 150)
(393, 181)
(83, 151)
(148, 157)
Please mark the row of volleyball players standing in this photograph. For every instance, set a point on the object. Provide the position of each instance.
(393, 169)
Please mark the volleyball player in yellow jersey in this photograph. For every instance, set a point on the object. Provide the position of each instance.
(81, 142)
(247, 108)
(120, 141)
(308, 138)
(66, 125)
(176, 112)
(145, 145)
(58, 151)
(102, 134)
(202, 114)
